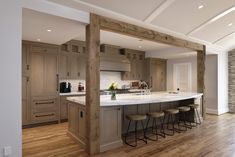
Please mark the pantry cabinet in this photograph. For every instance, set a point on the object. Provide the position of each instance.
(25, 84)
(40, 82)
(156, 73)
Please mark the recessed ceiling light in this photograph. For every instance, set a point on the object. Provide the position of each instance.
(200, 6)
(38, 39)
(140, 46)
(230, 24)
(49, 30)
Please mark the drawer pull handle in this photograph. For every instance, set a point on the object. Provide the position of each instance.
(46, 115)
(48, 102)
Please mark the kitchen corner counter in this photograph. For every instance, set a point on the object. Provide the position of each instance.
(73, 94)
(136, 98)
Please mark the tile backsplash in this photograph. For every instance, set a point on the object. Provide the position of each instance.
(106, 78)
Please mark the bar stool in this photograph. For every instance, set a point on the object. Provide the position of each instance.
(155, 116)
(136, 118)
(183, 111)
(197, 119)
(171, 113)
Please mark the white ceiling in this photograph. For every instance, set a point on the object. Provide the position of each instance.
(35, 25)
(181, 18)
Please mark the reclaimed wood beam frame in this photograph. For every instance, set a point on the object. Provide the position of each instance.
(93, 86)
(201, 59)
(120, 27)
(98, 23)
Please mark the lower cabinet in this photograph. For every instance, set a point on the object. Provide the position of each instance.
(44, 109)
(77, 122)
(63, 108)
(110, 128)
(110, 125)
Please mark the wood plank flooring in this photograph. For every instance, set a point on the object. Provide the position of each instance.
(214, 138)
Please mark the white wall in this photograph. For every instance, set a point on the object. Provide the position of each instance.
(215, 80)
(223, 82)
(10, 69)
(170, 68)
(106, 78)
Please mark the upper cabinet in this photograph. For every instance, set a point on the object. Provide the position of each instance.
(72, 61)
(156, 73)
(137, 64)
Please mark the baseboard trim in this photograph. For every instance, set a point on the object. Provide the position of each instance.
(211, 111)
(111, 145)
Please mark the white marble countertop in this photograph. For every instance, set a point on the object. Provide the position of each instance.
(72, 93)
(133, 99)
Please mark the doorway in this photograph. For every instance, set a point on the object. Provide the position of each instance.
(182, 76)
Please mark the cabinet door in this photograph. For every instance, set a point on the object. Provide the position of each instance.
(110, 124)
(63, 108)
(73, 118)
(158, 75)
(25, 100)
(51, 79)
(37, 74)
(64, 66)
(74, 71)
(82, 123)
(25, 59)
(82, 67)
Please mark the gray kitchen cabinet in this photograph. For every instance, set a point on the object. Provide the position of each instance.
(137, 65)
(72, 60)
(64, 66)
(43, 83)
(156, 74)
(25, 84)
(82, 123)
(63, 108)
(111, 124)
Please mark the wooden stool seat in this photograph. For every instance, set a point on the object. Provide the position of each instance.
(172, 111)
(136, 117)
(155, 114)
(184, 109)
(193, 105)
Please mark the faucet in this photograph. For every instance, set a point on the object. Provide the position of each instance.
(146, 88)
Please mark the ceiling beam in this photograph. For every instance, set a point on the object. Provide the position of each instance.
(120, 27)
(158, 11)
(227, 35)
(215, 18)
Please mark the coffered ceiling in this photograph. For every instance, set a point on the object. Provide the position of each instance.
(210, 22)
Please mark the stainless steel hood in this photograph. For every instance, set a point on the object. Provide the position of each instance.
(114, 62)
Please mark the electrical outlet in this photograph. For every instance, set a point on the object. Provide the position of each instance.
(7, 151)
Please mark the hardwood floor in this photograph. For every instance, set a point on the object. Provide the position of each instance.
(214, 138)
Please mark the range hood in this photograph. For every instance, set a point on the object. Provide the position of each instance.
(112, 60)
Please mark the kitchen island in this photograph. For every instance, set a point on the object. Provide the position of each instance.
(112, 113)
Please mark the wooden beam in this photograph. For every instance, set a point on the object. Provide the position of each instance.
(93, 85)
(147, 34)
(201, 58)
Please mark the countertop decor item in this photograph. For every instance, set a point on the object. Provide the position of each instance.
(112, 89)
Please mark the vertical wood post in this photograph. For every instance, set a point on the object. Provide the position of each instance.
(93, 85)
(201, 58)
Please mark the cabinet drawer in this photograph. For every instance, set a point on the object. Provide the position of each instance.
(44, 105)
(44, 117)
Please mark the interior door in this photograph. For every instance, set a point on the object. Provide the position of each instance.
(183, 77)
